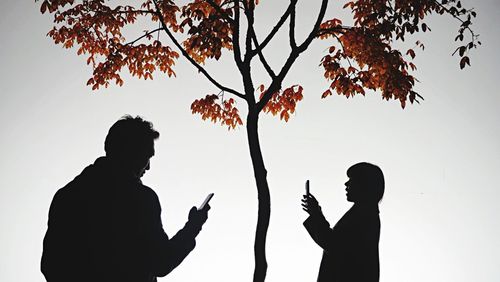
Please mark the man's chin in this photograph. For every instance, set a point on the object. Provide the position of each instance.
(139, 174)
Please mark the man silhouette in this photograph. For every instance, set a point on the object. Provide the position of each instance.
(105, 225)
(350, 248)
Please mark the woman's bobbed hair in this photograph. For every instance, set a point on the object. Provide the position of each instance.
(371, 178)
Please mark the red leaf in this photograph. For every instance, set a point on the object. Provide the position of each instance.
(326, 93)
(411, 53)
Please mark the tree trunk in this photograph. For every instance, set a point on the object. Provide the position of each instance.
(264, 199)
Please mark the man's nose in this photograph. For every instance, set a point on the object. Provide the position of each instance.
(148, 166)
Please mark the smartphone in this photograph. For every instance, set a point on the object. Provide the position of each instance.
(307, 187)
(207, 199)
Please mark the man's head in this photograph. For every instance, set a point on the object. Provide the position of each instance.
(130, 141)
(365, 184)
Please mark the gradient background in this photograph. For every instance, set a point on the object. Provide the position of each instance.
(440, 158)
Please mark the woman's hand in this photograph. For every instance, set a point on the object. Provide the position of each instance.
(310, 205)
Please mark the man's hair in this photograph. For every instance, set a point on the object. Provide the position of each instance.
(372, 179)
(129, 133)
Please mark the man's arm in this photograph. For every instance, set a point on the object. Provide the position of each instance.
(169, 253)
(56, 256)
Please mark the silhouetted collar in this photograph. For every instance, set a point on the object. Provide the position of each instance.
(113, 169)
(369, 208)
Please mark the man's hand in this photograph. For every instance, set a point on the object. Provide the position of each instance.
(198, 217)
(310, 205)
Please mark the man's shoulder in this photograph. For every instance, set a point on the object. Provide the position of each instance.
(86, 176)
(72, 187)
(148, 191)
(69, 195)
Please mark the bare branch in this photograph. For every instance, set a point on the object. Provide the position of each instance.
(315, 29)
(236, 34)
(276, 27)
(191, 60)
(294, 54)
(263, 60)
(248, 7)
(293, 43)
(249, 13)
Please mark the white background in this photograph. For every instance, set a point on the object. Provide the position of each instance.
(440, 158)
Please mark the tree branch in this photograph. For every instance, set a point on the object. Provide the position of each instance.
(343, 49)
(293, 43)
(249, 13)
(236, 34)
(315, 29)
(276, 27)
(474, 36)
(220, 11)
(252, 37)
(191, 60)
(262, 59)
(248, 7)
(235, 25)
(294, 54)
(145, 35)
(140, 12)
(338, 29)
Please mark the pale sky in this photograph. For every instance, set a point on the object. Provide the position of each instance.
(440, 158)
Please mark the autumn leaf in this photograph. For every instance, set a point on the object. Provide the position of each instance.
(225, 113)
(411, 53)
(283, 102)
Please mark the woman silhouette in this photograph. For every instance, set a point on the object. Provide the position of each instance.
(350, 248)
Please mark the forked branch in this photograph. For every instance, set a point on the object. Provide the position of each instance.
(263, 60)
(275, 28)
(294, 54)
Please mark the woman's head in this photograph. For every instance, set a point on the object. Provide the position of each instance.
(365, 184)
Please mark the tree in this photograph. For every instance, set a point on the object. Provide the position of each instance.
(361, 56)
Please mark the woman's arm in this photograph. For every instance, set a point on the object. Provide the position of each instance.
(320, 231)
(316, 224)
